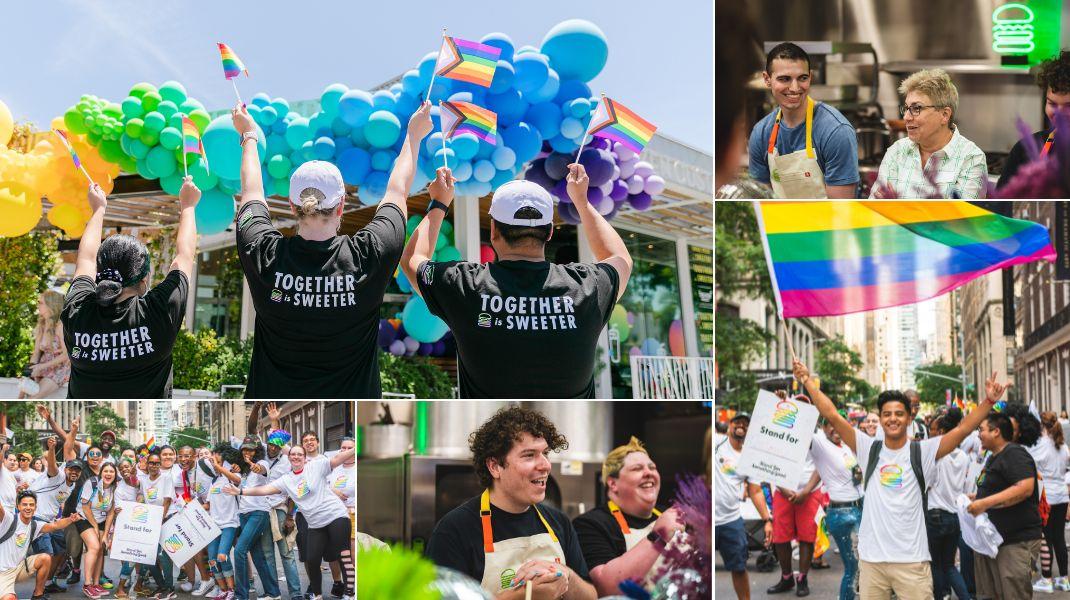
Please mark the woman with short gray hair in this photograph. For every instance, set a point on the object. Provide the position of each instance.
(934, 153)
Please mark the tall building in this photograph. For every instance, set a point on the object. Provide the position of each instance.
(331, 420)
(984, 347)
(229, 418)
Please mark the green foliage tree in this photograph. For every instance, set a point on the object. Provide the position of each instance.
(17, 413)
(836, 364)
(414, 375)
(102, 418)
(205, 361)
(933, 389)
(739, 341)
(188, 436)
(27, 265)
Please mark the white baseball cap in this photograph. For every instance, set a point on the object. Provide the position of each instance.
(319, 179)
(517, 194)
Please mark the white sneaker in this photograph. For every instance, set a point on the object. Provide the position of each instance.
(205, 588)
(1043, 585)
(1062, 584)
(185, 586)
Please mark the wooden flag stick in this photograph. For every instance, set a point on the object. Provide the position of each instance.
(435, 70)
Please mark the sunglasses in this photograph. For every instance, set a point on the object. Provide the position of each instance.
(154, 462)
(24, 460)
(94, 454)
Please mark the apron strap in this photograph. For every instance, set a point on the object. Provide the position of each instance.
(1048, 143)
(809, 130)
(484, 517)
(553, 536)
(776, 131)
(619, 516)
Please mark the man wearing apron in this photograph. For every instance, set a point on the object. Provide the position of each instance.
(506, 536)
(803, 149)
(622, 538)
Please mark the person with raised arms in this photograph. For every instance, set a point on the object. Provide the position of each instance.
(119, 332)
(17, 533)
(893, 548)
(317, 294)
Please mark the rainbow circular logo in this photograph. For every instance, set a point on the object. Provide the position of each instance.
(140, 514)
(20, 540)
(785, 414)
(151, 494)
(728, 467)
(340, 483)
(215, 489)
(302, 489)
(892, 476)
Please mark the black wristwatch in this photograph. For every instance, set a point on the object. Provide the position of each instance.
(655, 538)
(436, 204)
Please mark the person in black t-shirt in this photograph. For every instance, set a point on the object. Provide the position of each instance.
(317, 294)
(1053, 77)
(621, 538)
(1007, 490)
(118, 332)
(525, 328)
(507, 536)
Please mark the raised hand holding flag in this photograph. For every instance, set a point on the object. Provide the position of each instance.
(465, 60)
(74, 155)
(232, 67)
(464, 117)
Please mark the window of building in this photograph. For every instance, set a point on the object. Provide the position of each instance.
(219, 292)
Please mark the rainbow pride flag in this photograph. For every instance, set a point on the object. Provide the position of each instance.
(463, 117)
(67, 142)
(835, 258)
(616, 122)
(191, 138)
(467, 61)
(232, 65)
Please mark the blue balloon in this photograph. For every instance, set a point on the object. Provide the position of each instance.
(268, 116)
(357, 135)
(485, 149)
(308, 150)
(462, 172)
(503, 158)
(374, 188)
(478, 188)
(532, 69)
(220, 141)
(501, 178)
(215, 211)
(548, 90)
(651, 347)
(462, 97)
(403, 284)
(354, 107)
(465, 146)
(387, 334)
(577, 49)
(504, 76)
(280, 125)
(297, 133)
(508, 105)
(340, 128)
(354, 163)
(501, 42)
(323, 148)
(446, 156)
(563, 144)
(382, 129)
(524, 139)
(405, 105)
(572, 89)
(261, 100)
(330, 97)
(483, 171)
(383, 160)
(546, 117)
(571, 128)
(420, 323)
(383, 100)
(433, 143)
(526, 49)
(419, 182)
(426, 68)
(411, 83)
(228, 186)
(578, 107)
(281, 106)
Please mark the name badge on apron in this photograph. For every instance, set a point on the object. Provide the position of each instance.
(796, 175)
(501, 560)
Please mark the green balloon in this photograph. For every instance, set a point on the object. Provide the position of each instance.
(190, 105)
(155, 122)
(128, 164)
(132, 107)
(176, 120)
(143, 169)
(200, 118)
(150, 100)
(201, 176)
(446, 229)
(74, 121)
(138, 148)
(172, 183)
(93, 138)
(150, 138)
(111, 151)
(170, 138)
(161, 161)
(441, 242)
(140, 89)
(173, 91)
(167, 108)
(282, 187)
(113, 110)
(279, 166)
(134, 127)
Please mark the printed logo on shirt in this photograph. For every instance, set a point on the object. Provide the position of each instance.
(316, 291)
(140, 514)
(427, 274)
(198, 487)
(276, 295)
(528, 313)
(245, 219)
(892, 476)
(785, 414)
(849, 461)
(483, 320)
(302, 489)
(728, 467)
(980, 478)
(151, 494)
(340, 483)
(215, 489)
(507, 578)
(172, 544)
(20, 540)
(61, 495)
(105, 347)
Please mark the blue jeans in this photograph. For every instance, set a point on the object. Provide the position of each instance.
(251, 528)
(943, 532)
(222, 545)
(289, 562)
(966, 564)
(842, 524)
(163, 571)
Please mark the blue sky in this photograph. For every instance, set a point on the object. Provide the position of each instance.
(660, 53)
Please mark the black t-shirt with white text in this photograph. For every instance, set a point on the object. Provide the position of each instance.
(523, 328)
(457, 540)
(123, 350)
(317, 305)
(600, 535)
(1019, 522)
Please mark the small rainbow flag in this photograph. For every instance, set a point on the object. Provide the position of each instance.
(467, 61)
(232, 65)
(67, 142)
(463, 117)
(835, 258)
(191, 138)
(616, 122)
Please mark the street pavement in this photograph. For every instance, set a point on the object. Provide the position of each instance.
(824, 583)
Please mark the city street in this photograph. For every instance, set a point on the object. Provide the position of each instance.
(824, 583)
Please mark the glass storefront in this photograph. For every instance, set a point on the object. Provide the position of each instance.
(700, 261)
(219, 292)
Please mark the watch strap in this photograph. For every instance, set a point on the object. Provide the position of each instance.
(436, 204)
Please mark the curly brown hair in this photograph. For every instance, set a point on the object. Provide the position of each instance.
(495, 438)
(1054, 74)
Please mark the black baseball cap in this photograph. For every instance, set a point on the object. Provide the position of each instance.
(740, 415)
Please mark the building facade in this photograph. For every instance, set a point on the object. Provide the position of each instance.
(984, 346)
(330, 420)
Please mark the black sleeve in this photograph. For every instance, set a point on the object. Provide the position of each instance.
(597, 547)
(608, 282)
(447, 547)
(1020, 465)
(168, 298)
(439, 284)
(1013, 162)
(570, 544)
(384, 236)
(81, 289)
(257, 238)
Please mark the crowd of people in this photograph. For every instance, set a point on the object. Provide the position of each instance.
(903, 498)
(267, 497)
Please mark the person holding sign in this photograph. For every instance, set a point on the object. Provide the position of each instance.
(157, 489)
(17, 533)
(892, 544)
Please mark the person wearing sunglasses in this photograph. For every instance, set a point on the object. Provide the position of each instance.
(935, 160)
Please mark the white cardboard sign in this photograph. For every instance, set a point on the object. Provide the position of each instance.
(777, 441)
(184, 534)
(137, 532)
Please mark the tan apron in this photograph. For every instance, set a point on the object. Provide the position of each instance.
(632, 537)
(796, 175)
(502, 560)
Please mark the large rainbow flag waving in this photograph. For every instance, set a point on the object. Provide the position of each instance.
(835, 258)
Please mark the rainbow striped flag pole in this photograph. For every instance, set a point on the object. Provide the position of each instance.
(232, 67)
(191, 141)
(465, 60)
(74, 155)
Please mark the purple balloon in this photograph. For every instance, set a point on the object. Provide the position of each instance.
(402, 334)
(644, 169)
(438, 348)
(387, 333)
(537, 173)
(620, 191)
(557, 165)
(599, 165)
(627, 167)
(568, 214)
(616, 172)
(424, 349)
(397, 347)
(560, 191)
(613, 213)
(411, 345)
(654, 185)
(595, 196)
(640, 201)
(635, 184)
(604, 206)
(623, 151)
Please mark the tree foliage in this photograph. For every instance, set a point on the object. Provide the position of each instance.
(414, 375)
(739, 264)
(837, 364)
(739, 342)
(195, 437)
(934, 389)
(102, 418)
(27, 265)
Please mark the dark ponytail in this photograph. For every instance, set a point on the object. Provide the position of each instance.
(122, 262)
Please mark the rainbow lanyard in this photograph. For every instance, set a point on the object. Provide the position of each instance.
(1048, 143)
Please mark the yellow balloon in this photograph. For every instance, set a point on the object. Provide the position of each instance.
(21, 208)
(7, 124)
(68, 218)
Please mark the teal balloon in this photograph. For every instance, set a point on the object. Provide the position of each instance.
(282, 187)
(132, 107)
(462, 172)
(382, 129)
(268, 116)
(138, 149)
(155, 122)
(403, 282)
(330, 97)
(170, 138)
(215, 211)
(173, 91)
(176, 120)
(420, 323)
(442, 241)
(202, 177)
(281, 106)
(446, 229)
(220, 141)
(298, 132)
(279, 166)
(161, 162)
(465, 146)
(447, 254)
(229, 186)
(445, 158)
(172, 184)
(276, 144)
(323, 148)
(577, 49)
(383, 160)
(167, 109)
(143, 169)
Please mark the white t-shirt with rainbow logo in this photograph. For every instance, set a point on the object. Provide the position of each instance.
(309, 489)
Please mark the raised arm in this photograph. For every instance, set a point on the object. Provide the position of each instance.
(252, 185)
(421, 246)
(951, 440)
(606, 244)
(342, 457)
(186, 240)
(86, 263)
(401, 176)
(260, 490)
(70, 444)
(46, 414)
(50, 458)
(825, 406)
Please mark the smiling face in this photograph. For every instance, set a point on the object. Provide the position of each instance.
(126, 469)
(167, 458)
(311, 443)
(789, 81)
(870, 424)
(153, 464)
(638, 481)
(738, 428)
(928, 125)
(895, 417)
(1054, 101)
(73, 473)
(185, 457)
(107, 474)
(297, 458)
(990, 436)
(27, 506)
(526, 469)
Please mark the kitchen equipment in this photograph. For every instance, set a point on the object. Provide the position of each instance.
(387, 440)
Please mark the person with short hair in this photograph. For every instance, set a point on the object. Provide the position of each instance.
(621, 538)
(16, 562)
(934, 146)
(1051, 457)
(1053, 78)
(1008, 492)
(546, 315)
(804, 148)
(96, 503)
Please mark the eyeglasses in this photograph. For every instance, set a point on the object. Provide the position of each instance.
(94, 454)
(915, 109)
(154, 462)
